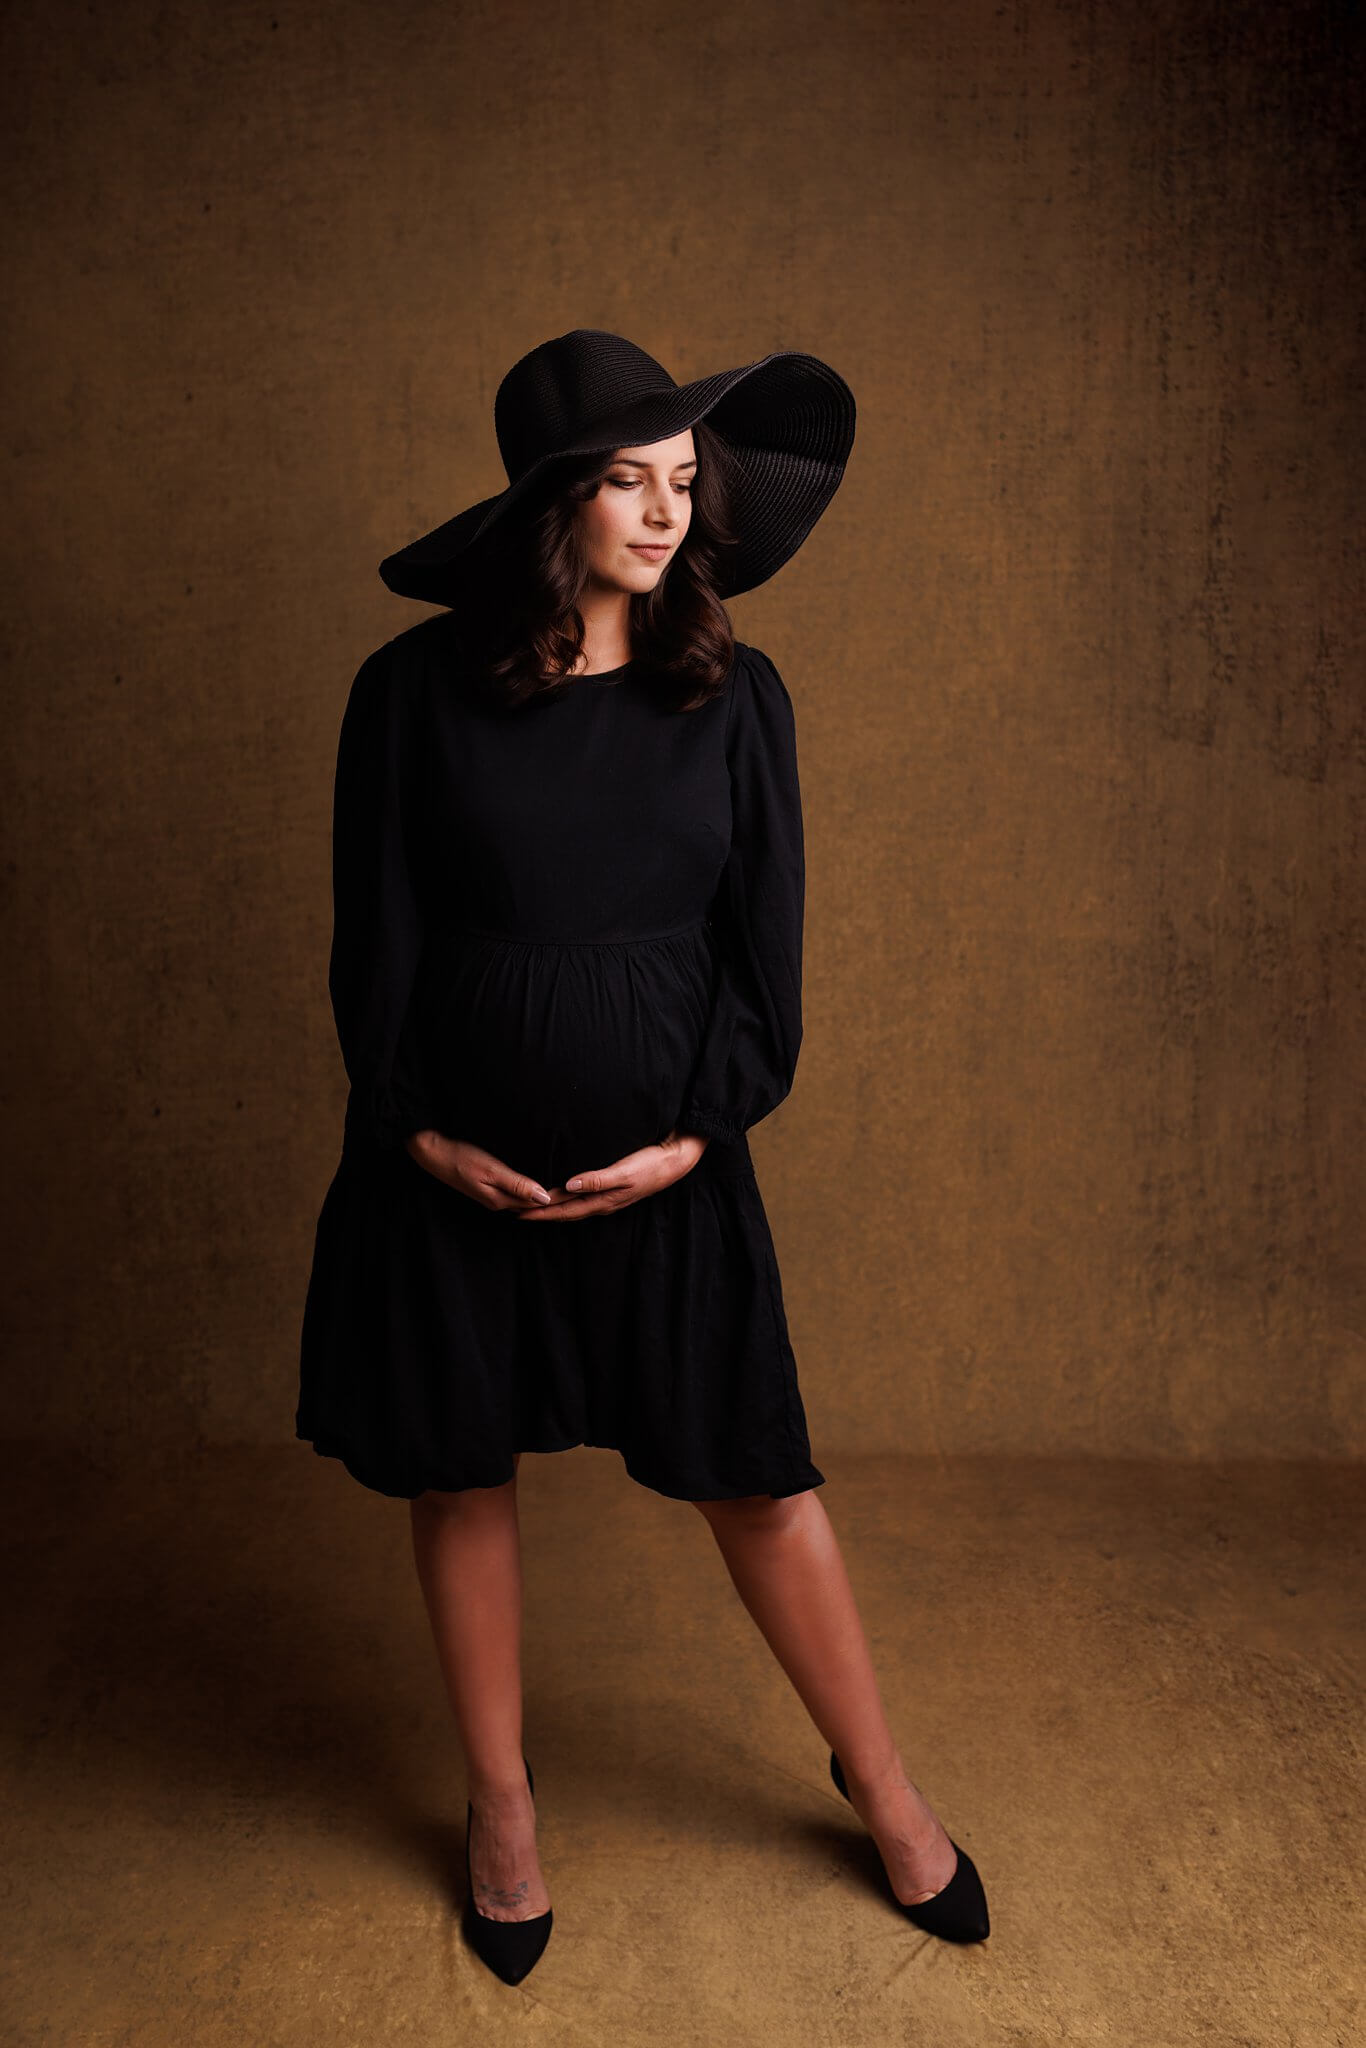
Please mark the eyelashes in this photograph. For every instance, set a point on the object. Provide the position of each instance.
(626, 483)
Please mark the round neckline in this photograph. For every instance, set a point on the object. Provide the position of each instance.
(597, 675)
(600, 675)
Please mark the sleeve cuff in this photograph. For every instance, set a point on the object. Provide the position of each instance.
(709, 1123)
(390, 1124)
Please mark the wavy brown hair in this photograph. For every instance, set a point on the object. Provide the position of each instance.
(518, 599)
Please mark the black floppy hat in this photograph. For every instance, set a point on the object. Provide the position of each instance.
(787, 422)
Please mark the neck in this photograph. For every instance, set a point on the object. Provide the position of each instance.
(606, 628)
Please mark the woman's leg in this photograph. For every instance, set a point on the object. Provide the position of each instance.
(469, 1563)
(786, 1564)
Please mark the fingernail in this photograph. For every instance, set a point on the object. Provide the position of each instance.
(539, 1195)
(577, 1182)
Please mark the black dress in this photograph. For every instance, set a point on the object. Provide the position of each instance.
(562, 930)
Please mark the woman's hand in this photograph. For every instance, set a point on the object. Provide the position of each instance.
(628, 1180)
(472, 1171)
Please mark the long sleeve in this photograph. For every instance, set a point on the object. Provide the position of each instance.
(377, 921)
(749, 1051)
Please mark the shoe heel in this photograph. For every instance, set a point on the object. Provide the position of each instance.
(958, 1912)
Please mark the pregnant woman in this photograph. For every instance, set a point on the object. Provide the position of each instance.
(566, 975)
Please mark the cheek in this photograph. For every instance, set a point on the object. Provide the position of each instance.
(607, 518)
(621, 515)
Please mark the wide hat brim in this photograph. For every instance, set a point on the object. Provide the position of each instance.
(787, 421)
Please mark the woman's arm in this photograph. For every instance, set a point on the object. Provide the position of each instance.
(377, 916)
(749, 1052)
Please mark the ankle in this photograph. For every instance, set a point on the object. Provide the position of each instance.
(870, 1772)
(498, 1790)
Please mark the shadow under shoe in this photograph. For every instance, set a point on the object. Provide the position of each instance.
(510, 1947)
(956, 1913)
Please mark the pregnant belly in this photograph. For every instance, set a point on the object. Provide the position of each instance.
(563, 1058)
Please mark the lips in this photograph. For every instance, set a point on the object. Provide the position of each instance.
(653, 551)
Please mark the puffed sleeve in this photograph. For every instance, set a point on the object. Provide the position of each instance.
(377, 919)
(754, 1032)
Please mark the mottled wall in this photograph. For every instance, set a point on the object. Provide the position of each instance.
(1074, 1156)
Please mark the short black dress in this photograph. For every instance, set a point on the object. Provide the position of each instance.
(562, 930)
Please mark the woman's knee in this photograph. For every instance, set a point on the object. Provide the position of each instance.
(752, 1511)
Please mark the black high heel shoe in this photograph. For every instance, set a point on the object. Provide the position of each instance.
(956, 1913)
(509, 1947)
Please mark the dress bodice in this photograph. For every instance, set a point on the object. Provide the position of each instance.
(564, 928)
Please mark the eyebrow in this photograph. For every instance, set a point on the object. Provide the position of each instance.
(634, 462)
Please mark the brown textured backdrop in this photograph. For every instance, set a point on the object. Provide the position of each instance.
(1074, 1157)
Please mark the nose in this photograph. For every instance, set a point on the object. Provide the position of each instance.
(661, 509)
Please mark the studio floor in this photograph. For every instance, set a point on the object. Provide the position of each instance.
(235, 1803)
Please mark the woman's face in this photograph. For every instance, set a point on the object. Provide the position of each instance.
(635, 524)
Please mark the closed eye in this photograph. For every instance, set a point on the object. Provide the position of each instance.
(625, 483)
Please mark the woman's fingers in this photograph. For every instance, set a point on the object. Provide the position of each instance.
(600, 1182)
(567, 1211)
(588, 1194)
(483, 1176)
(495, 1197)
(608, 1188)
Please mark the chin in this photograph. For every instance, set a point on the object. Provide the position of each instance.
(641, 577)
